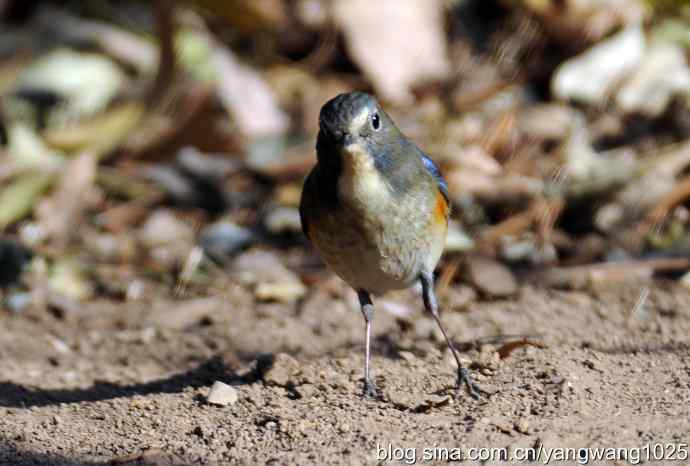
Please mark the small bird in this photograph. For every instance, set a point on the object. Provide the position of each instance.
(376, 209)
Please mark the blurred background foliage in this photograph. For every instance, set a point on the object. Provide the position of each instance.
(149, 148)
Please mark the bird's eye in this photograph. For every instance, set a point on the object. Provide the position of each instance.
(376, 121)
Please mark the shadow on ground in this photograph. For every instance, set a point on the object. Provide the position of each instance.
(11, 455)
(19, 457)
(14, 395)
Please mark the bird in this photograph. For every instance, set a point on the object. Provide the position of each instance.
(375, 208)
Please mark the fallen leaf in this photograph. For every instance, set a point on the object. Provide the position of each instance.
(505, 350)
(406, 48)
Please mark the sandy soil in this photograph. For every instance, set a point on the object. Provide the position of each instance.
(121, 383)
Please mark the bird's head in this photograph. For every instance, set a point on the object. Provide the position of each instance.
(354, 123)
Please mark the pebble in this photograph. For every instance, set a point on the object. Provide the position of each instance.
(206, 166)
(18, 302)
(285, 292)
(457, 240)
(175, 184)
(224, 238)
(272, 280)
(522, 426)
(167, 238)
(58, 345)
(491, 278)
(222, 394)
(283, 220)
(278, 369)
(163, 228)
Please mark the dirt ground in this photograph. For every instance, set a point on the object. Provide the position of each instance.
(116, 383)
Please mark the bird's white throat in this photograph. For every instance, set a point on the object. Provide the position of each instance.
(360, 182)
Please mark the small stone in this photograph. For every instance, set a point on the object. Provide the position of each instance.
(458, 240)
(167, 238)
(522, 426)
(58, 345)
(272, 280)
(282, 292)
(224, 238)
(222, 394)
(283, 220)
(181, 188)
(18, 302)
(491, 278)
(205, 166)
(306, 391)
(163, 228)
(278, 369)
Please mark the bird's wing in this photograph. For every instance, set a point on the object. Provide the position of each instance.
(436, 173)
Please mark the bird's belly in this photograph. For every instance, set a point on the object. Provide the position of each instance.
(376, 255)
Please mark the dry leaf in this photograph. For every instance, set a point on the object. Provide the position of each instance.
(247, 97)
(408, 47)
(505, 350)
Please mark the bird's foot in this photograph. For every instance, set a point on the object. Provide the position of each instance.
(465, 378)
(370, 391)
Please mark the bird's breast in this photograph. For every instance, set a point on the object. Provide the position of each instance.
(376, 238)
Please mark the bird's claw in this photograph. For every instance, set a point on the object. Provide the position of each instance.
(465, 378)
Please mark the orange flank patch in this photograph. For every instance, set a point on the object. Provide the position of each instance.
(441, 210)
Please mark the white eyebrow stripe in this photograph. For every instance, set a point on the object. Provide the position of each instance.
(359, 120)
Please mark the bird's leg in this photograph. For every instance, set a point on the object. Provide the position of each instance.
(367, 308)
(431, 306)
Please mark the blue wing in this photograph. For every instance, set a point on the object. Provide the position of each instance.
(436, 173)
